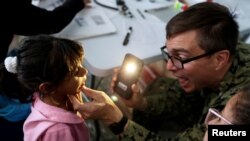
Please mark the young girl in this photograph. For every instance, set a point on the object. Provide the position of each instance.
(51, 68)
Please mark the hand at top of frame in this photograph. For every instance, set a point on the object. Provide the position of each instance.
(87, 3)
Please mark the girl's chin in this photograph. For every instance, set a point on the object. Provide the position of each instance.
(79, 96)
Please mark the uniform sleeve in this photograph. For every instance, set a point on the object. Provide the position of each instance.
(135, 132)
(169, 107)
(196, 133)
(28, 19)
(165, 96)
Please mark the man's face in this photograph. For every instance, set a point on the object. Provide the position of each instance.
(195, 74)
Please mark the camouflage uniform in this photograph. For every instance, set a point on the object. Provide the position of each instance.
(172, 107)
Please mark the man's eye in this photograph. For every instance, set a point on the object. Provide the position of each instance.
(179, 58)
(183, 57)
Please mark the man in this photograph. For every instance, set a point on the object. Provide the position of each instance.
(203, 53)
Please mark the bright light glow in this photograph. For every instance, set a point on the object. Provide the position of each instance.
(114, 98)
(130, 67)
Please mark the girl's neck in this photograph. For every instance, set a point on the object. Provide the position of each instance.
(53, 100)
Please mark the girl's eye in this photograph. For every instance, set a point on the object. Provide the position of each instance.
(76, 71)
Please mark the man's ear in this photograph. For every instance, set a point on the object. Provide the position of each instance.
(45, 87)
(222, 59)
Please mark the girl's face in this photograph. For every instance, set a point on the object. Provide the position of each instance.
(72, 84)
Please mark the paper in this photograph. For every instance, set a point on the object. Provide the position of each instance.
(48, 4)
(88, 23)
(157, 5)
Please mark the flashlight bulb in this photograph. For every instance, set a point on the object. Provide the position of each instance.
(114, 98)
(130, 67)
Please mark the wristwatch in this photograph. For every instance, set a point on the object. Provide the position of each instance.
(118, 127)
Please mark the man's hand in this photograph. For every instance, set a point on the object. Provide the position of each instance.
(101, 107)
(137, 101)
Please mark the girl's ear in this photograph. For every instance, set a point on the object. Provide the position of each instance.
(45, 87)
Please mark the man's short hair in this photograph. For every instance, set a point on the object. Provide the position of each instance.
(214, 23)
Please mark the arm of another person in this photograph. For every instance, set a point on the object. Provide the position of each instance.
(136, 132)
(28, 19)
(12, 110)
(103, 108)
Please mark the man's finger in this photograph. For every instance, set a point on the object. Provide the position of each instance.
(73, 99)
(77, 105)
(91, 93)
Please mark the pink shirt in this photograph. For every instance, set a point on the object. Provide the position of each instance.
(50, 123)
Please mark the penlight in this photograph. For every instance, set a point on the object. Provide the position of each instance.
(130, 67)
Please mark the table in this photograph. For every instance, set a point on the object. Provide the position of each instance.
(104, 53)
(241, 9)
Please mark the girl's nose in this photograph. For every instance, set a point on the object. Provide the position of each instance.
(84, 71)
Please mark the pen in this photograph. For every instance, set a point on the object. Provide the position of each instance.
(157, 9)
(126, 39)
(141, 14)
